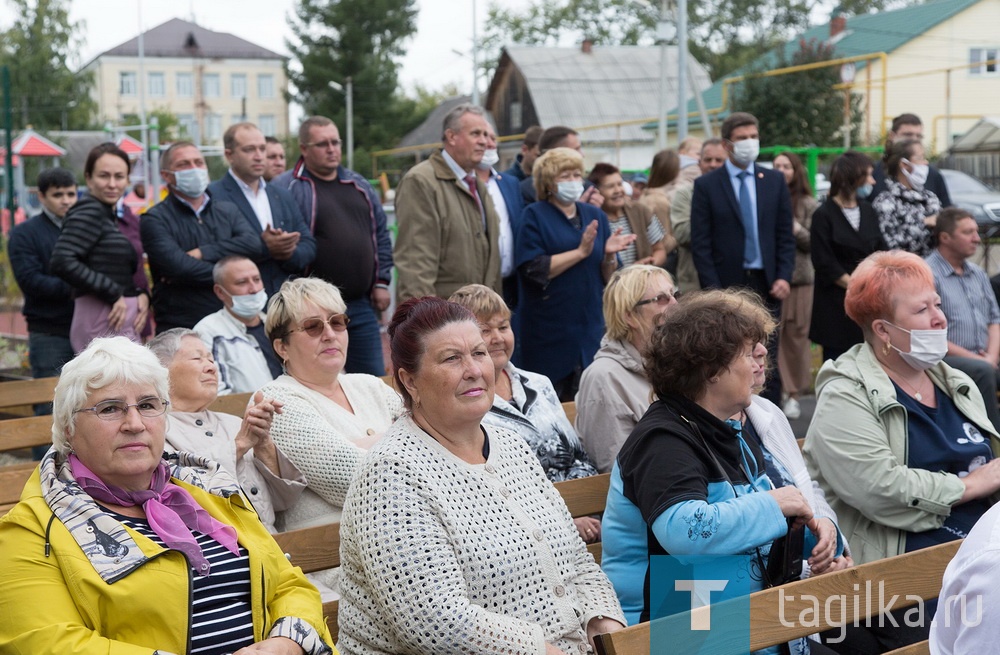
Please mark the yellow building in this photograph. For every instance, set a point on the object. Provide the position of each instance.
(939, 63)
(209, 80)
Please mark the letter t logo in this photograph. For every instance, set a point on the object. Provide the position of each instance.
(699, 590)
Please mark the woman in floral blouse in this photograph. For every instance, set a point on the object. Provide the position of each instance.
(906, 210)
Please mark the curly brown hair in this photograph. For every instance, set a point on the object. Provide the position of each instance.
(701, 337)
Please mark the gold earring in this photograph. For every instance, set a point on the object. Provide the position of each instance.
(886, 349)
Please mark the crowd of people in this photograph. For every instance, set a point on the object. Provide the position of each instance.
(678, 313)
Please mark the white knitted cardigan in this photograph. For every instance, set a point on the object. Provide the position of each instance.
(318, 436)
(442, 556)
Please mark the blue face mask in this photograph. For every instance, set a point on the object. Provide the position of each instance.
(864, 191)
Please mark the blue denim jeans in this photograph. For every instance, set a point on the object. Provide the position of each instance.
(46, 353)
(364, 348)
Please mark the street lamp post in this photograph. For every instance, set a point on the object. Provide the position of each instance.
(348, 90)
(664, 34)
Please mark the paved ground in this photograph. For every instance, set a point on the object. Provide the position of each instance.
(801, 424)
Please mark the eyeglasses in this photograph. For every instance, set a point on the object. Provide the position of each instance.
(661, 300)
(324, 145)
(315, 326)
(115, 410)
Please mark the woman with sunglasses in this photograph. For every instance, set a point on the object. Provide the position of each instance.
(329, 419)
(118, 547)
(615, 392)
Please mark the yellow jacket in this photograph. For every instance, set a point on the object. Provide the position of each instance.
(75, 580)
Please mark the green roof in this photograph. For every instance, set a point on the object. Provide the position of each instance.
(865, 34)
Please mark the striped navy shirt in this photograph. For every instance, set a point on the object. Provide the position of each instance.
(967, 300)
(221, 618)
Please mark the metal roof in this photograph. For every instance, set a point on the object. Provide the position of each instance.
(883, 31)
(430, 130)
(984, 136)
(181, 38)
(610, 83)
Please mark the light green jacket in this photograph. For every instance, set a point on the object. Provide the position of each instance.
(856, 448)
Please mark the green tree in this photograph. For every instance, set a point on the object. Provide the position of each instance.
(799, 108)
(361, 39)
(723, 34)
(39, 47)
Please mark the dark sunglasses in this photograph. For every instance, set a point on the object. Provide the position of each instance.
(315, 326)
(661, 299)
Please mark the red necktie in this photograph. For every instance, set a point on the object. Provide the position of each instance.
(470, 180)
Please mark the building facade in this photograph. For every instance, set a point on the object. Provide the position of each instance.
(209, 80)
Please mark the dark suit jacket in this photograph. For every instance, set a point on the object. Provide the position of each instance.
(285, 215)
(510, 189)
(935, 183)
(837, 248)
(717, 235)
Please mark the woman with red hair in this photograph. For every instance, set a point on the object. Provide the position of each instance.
(900, 441)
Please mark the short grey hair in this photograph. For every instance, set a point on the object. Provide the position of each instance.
(308, 124)
(166, 344)
(288, 305)
(167, 158)
(220, 266)
(106, 361)
(454, 117)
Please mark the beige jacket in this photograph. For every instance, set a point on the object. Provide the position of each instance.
(441, 245)
(680, 223)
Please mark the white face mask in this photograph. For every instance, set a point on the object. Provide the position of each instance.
(192, 182)
(927, 347)
(490, 159)
(569, 191)
(745, 152)
(918, 176)
(250, 305)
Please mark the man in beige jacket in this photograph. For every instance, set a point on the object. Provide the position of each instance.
(448, 226)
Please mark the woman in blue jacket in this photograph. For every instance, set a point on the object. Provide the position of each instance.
(565, 252)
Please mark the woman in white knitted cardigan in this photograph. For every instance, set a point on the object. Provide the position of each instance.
(330, 419)
(452, 539)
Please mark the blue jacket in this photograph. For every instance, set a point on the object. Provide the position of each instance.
(299, 182)
(510, 189)
(48, 300)
(285, 215)
(562, 322)
(717, 234)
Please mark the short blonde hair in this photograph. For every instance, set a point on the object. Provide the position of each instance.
(548, 167)
(288, 305)
(625, 288)
(106, 361)
(481, 300)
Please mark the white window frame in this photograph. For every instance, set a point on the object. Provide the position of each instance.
(265, 85)
(240, 92)
(977, 58)
(211, 86)
(187, 80)
(159, 88)
(128, 83)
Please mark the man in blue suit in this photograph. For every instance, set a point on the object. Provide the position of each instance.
(741, 226)
(287, 245)
(505, 191)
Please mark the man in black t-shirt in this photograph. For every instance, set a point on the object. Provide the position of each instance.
(353, 249)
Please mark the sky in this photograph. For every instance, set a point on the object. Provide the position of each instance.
(442, 26)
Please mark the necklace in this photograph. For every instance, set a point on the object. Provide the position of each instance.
(504, 387)
(916, 392)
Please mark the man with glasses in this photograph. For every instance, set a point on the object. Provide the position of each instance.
(185, 234)
(287, 246)
(353, 248)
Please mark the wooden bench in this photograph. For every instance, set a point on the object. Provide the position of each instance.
(315, 549)
(17, 397)
(584, 497)
(23, 433)
(774, 612)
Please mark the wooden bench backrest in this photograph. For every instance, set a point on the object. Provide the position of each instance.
(570, 410)
(315, 549)
(915, 574)
(27, 392)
